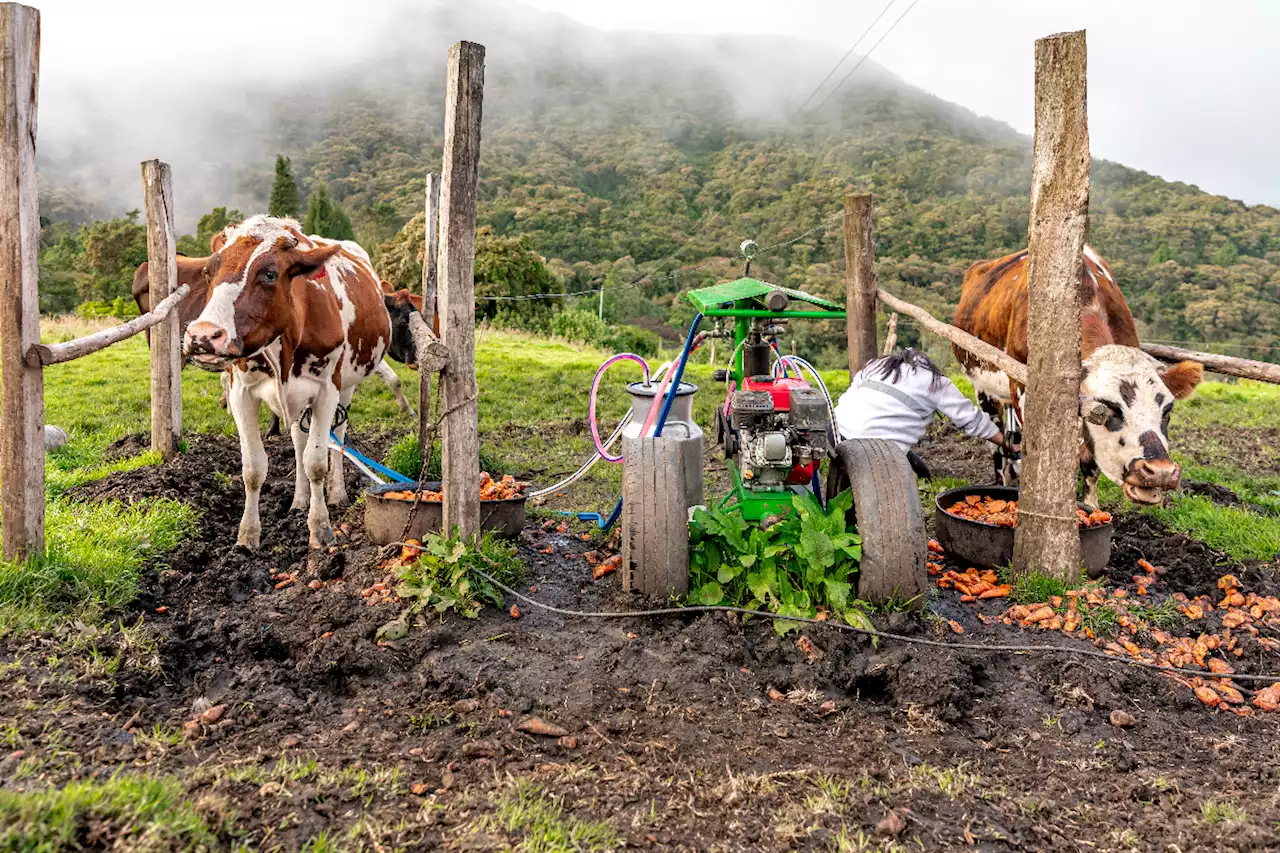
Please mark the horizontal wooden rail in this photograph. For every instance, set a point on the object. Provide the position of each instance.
(46, 354)
(983, 350)
(1228, 365)
(433, 357)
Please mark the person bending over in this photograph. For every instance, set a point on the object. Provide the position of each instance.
(895, 398)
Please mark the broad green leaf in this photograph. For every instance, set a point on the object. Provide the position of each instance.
(815, 546)
(727, 572)
(711, 593)
(838, 594)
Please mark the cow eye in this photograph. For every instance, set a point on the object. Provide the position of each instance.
(269, 276)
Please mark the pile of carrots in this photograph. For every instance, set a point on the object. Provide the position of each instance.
(508, 488)
(1002, 513)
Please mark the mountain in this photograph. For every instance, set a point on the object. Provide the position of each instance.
(640, 162)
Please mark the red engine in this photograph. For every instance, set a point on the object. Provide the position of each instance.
(782, 425)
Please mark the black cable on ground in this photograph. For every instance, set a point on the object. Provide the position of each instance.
(832, 623)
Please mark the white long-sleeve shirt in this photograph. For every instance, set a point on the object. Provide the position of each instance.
(871, 409)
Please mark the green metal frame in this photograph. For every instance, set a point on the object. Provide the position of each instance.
(743, 300)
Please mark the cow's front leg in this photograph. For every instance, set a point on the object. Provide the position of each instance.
(253, 462)
(337, 480)
(387, 375)
(1091, 489)
(315, 460)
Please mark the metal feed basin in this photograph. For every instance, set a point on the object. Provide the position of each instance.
(391, 520)
(986, 546)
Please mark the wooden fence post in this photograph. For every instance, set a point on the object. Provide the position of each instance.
(860, 281)
(166, 350)
(22, 394)
(460, 436)
(1047, 539)
(430, 248)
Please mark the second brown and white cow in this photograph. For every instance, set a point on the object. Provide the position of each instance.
(301, 321)
(1126, 395)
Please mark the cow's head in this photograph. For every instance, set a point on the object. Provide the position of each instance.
(252, 274)
(400, 305)
(1126, 399)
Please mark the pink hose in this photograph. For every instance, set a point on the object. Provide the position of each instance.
(657, 402)
(591, 405)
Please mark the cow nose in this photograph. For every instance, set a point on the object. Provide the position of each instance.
(1156, 473)
(207, 339)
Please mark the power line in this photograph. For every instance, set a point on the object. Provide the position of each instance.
(867, 55)
(847, 54)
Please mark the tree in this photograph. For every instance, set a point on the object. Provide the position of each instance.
(210, 224)
(326, 218)
(113, 250)
(285, 200)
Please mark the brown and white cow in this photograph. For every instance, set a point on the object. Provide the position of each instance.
(302, 322)
(191, 271)
(1126, 395)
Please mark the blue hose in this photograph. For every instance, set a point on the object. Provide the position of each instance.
(675, 381)
(381, 469)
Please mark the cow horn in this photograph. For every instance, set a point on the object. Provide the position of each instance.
(1094, 412)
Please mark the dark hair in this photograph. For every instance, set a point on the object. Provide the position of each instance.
(890, 366)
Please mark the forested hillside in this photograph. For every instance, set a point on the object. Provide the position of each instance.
(638, 163)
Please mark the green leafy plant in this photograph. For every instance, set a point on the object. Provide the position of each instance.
(443, 578)
(804, 561)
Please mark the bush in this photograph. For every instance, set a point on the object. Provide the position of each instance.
(584, 327)
(120, 308)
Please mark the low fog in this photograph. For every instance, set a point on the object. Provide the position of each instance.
(199, 87)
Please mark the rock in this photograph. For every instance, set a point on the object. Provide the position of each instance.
(1123, 719)
(352, 726)
(522, 704)
(891, 825)
(212, 715)
(316, 583)
(466, 706)
(446, 779)
(497, 698)
(482, 749)
(290, 741)
(827, 708)
(539, 726)
(54, 437)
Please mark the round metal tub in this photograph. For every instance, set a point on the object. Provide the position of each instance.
(987, 546)
(390, 520)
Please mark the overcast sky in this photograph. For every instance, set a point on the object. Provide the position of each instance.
(1186, 90)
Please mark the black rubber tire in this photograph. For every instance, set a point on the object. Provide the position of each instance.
(890, 521)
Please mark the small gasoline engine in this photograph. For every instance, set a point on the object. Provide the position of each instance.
(779, 425)
(775, 426)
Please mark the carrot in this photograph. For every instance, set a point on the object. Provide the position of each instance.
(1208, 696)
(1268, 699)
(1229, 693)
(955, 626)
(1000, 591)
(1040, 614)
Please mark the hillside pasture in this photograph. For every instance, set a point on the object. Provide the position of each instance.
(161, 690)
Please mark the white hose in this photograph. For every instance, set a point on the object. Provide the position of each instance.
(800, 363)
(595, 457)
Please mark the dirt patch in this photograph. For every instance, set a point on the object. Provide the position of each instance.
(950, 453)
(701, 732)
(1256, 450)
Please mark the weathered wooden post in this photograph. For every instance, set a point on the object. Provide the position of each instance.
(655, 524)
(1047, 539)
(460, 436)
(430, 249)
(860, 281)
(166, 349)
(22, 394)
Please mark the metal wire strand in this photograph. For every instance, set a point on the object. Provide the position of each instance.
(902, 638)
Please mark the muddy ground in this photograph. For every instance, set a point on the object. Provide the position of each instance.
(673, 737)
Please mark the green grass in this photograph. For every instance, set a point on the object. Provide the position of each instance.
(1214, 811)
(1035, 586)
(542, 826)
(1241, 404)
(126, 813)
(95, 555)
(1241, 534)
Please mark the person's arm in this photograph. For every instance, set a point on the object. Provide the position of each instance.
(965, 415)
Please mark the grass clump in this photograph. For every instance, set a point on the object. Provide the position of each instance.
(94, 558)
(543, 827)
(405, 457)
(124, 812)
(1216, 811)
